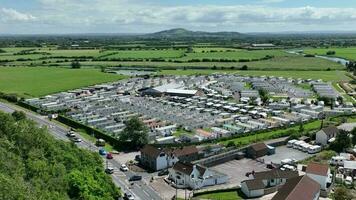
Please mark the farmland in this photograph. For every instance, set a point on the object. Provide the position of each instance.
(169, 58)
(347, 53)
(39, 81)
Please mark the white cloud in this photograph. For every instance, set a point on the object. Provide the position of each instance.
(140, 16)
(12, 15)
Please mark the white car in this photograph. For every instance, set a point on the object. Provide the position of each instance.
(124, 168)
(129, 196)
(348, 180)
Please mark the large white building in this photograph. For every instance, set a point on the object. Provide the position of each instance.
(319, 173)
(324, 135)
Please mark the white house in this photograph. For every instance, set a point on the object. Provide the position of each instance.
(157, 159)
(324, 135)
(187, 175)
(266, 182)
(319, 173)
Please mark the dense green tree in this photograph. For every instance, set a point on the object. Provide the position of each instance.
(353, 136)
(75, 65)
(342, 193)
(18, 115)
(341, 142)
(264, 95)
(135, 132)
(33, 165)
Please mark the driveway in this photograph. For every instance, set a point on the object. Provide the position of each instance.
(237, 169)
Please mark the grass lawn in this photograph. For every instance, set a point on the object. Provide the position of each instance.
(39, 81)
(348, 53)
(233, 195)
(243, 141)
(92, 139)
(324, 75)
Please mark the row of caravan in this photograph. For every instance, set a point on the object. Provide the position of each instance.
(303, 146)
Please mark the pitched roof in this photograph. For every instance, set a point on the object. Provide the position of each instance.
(259, 146)
(183, 151)
(275, 173)
(318, 169)
(151, 150)
(254, 184)
(187, 168)
(298, 188)
(330, 130)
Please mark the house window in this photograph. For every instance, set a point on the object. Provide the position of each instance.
(192, 176)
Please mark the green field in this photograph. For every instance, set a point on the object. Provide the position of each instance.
(39, 81)
(235, 54)
(324, 75)
(178, 58)
(145, 54)
(348, 53)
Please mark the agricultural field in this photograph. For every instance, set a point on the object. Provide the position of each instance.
(235, 54)
(146, 54)
(40, 81)
(347, 53)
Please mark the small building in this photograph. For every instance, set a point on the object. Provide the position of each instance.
(319, 173)
(324, 135)
(298, 188)
(258, 150)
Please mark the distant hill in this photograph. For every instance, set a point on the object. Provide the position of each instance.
(184, 33)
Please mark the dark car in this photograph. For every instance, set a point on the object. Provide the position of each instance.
(163, 173)
(109, 156)
(135, 178)
(109, 170)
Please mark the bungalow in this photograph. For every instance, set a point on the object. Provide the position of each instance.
(301, 187)
(319, 173)
(324, 135)
(187, 175)
(266, 182)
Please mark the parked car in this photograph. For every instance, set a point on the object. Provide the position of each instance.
(102, 152)
(70, 134)
(109, 170)
(109, 156)
(137, 157)
(77, 139)
(163, 173)
(124, 168)
(135, 178)
(100, 143)
(129, 196)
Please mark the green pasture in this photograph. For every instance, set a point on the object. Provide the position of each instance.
(39, 81)
(348, 53)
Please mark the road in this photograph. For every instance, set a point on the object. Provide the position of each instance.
(139, 189)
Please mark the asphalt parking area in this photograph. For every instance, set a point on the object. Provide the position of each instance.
(283, 152)
(237, 169)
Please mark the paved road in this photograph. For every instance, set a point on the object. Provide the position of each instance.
(139, 189)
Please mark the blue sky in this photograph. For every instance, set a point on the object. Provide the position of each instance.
(142, 16)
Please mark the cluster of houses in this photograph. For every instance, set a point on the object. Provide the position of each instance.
(306, 182)
(207, 106)
(182, 173)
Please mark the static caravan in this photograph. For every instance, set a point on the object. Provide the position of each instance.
(314, 149)
(291, 143)
(297, 144)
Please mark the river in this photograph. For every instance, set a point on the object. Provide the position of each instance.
(334, 59)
